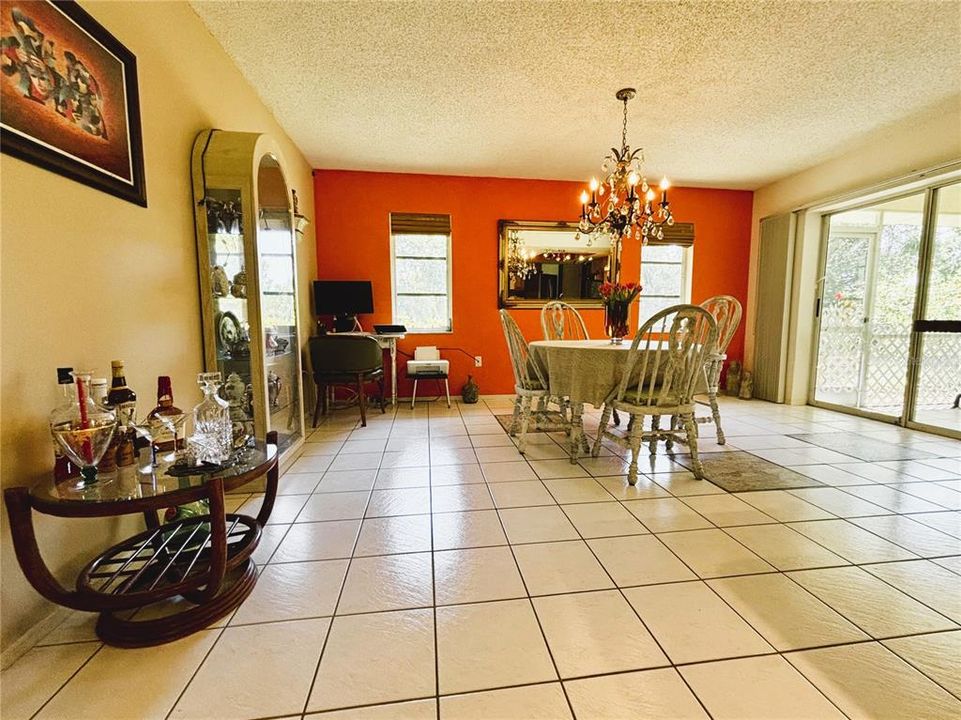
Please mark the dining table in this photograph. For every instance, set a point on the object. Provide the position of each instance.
(586, 372)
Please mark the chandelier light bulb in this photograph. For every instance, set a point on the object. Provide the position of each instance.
(593, 184)
(665, 183)
(633, 179)
(650, 195)
(584, 197)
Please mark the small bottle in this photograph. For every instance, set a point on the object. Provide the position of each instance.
(124, 402)
(98, 391)
(166, 438)
(63, 467)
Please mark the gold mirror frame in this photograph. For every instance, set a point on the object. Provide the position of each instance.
(504, 229)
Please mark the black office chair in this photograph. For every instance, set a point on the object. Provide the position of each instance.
(346, 360)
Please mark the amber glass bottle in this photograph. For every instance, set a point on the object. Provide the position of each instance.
(124, 401)
(166, 408)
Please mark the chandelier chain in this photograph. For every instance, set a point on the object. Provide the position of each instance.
(624, 127)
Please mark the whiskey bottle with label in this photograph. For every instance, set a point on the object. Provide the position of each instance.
(124, 402)
(166, 419)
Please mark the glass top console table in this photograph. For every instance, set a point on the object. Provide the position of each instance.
(204, 559)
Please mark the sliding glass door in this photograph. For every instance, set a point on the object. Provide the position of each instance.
(889, 311)
(867, 304)
(937, 373)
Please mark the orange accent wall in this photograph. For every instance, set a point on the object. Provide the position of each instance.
(353, 243)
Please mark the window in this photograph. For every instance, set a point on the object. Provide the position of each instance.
(421, 272)
(666, 278)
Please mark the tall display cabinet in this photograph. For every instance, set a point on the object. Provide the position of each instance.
(247, 253)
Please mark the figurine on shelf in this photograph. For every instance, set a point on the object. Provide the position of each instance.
(282, 344)
(747, 386)
(234, 390)
(239, 286)
(270, 341)
(240, 348)
(274, 384)
(219, 284)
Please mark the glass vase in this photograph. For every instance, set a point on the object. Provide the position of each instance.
(616, 313)
(212, 438)
(84, 430)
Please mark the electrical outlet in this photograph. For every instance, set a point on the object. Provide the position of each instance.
(478, 361)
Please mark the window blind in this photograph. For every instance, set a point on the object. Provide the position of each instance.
(681, 234)
(415, 224)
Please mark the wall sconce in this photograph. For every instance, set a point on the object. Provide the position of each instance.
(300, 221)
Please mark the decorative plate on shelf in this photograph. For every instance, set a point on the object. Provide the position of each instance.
(228, 331)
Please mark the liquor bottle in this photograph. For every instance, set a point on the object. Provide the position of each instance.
(124, 402)
(166, 417)
(98, 391)
(63, 467)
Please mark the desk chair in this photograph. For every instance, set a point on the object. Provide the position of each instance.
(427, 365)
(350, 360)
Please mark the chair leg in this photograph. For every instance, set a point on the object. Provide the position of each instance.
(655, 426)
(672, 426)
(413, 398)
(363, 401)
(605, 419)
(321, 394)
(716, 414)
(577, 431)
(526, 407)
(516, 417)
(635, 439)
(447, 391)
(617, 419)
(690, 428)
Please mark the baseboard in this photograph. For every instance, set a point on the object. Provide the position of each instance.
(31, 637)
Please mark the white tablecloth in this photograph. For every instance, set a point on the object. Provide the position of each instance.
(586, 371)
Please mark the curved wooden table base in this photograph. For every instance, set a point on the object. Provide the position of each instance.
(114, 630)
(227, 578)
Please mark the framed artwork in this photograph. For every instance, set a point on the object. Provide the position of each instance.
(70, 97)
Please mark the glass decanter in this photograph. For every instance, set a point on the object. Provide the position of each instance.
(84, 430)
(211, 441)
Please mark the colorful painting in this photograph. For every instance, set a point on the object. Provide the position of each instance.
(69, 96)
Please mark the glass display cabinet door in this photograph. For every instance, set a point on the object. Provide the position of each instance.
(228, 302)
(278, 304)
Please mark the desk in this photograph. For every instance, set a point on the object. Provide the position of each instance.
(388, 341)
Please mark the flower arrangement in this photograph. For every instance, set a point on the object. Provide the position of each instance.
(617, 299)
(619, 292)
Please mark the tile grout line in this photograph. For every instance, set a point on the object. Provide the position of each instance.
(340, 593)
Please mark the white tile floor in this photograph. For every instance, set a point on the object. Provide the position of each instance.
(421, 568)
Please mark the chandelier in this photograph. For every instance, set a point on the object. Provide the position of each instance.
(520, 260)
(629, 208)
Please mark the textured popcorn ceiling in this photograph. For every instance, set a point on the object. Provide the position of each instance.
(731, 94)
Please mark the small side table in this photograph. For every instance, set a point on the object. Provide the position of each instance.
(204, 559)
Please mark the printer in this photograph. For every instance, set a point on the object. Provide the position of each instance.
(427, 363)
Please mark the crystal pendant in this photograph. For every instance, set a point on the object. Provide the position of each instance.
(84, 430)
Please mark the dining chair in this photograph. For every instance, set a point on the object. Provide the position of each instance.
(351, 360)
(561, 321)
(530, 385)
(659, 378)
(726, 311)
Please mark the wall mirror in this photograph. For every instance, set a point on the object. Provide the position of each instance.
(543, 261)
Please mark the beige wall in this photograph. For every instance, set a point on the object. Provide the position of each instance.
(929, 139)
(88, 278)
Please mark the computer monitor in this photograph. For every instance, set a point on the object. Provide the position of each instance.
(344, 299)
